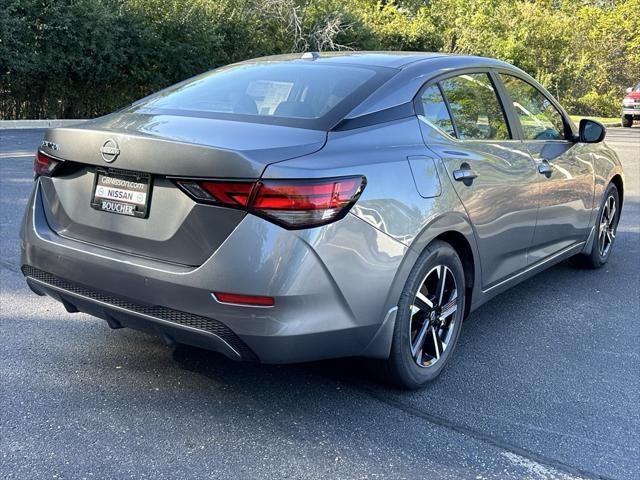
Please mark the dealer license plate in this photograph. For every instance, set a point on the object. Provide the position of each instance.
(122, 192)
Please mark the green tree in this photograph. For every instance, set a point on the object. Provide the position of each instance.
(83, 58)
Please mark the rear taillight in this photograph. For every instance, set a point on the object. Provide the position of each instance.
(232, 194)
(290, 203)
(300, 204)
(44, 164)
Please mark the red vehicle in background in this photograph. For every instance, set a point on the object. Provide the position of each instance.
(631, 106)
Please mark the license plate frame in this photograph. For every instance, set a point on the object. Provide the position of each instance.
(104, 196)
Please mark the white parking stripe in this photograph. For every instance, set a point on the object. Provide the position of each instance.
(16, 154)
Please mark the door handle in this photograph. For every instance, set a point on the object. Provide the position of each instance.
(465, 175)
(544, 168)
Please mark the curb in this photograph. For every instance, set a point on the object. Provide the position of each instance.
(15, 124)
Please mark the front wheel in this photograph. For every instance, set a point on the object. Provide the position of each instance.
(429, 317)
(605, 233)
(627, 120)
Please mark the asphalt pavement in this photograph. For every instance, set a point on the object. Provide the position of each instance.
(545, 383)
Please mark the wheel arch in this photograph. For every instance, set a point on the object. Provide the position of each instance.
(453, 228)
(463, 248)
(618, 182)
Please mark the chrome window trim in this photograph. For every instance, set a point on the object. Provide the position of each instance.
(417, 101)
(422, 118)
(493, 71)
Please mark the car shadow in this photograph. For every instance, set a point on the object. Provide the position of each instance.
(503, 315)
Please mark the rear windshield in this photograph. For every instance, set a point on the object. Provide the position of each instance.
(304, 94)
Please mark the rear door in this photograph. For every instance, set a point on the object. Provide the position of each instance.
(564, 169)
(491, 171)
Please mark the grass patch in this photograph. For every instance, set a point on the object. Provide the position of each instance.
(577, 118)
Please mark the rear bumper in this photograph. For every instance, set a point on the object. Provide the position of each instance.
(171, 325)
(322, 307)
(631, 111)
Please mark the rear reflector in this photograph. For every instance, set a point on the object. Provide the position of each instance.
(44, 164)
(238, 299)
(289, 203)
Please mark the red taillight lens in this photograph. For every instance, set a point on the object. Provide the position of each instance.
(277, 194)
(239, 299)
(290, 203)
(306, 203)
(231, 194)
(44, 164)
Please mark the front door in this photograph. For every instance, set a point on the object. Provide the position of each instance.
(564, 167)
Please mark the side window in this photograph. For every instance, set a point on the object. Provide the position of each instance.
(540, 120)
(475, 108)
(435, 109)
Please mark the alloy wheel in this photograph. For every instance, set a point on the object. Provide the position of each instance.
(433, 315)
(606, 230)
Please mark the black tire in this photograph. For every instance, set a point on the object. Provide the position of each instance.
(439, 260)
(600, 253)
(627, 120)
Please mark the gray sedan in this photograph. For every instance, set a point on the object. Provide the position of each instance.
(305, 207)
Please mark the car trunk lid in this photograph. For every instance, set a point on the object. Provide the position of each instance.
(175, 228)
(182, 146)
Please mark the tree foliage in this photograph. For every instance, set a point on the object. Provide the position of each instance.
(82, 58)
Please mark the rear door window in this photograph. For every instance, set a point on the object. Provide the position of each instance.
(475, 107)
(539, 119)
(435, 109)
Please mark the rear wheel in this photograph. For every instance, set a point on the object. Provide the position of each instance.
(429, 317)
(605, 234)
(627, 120)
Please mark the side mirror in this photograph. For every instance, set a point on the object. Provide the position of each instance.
(591, 131)
(628, 90)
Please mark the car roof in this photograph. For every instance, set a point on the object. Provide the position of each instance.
(403, 86)
(423, 61)
(363, 58)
